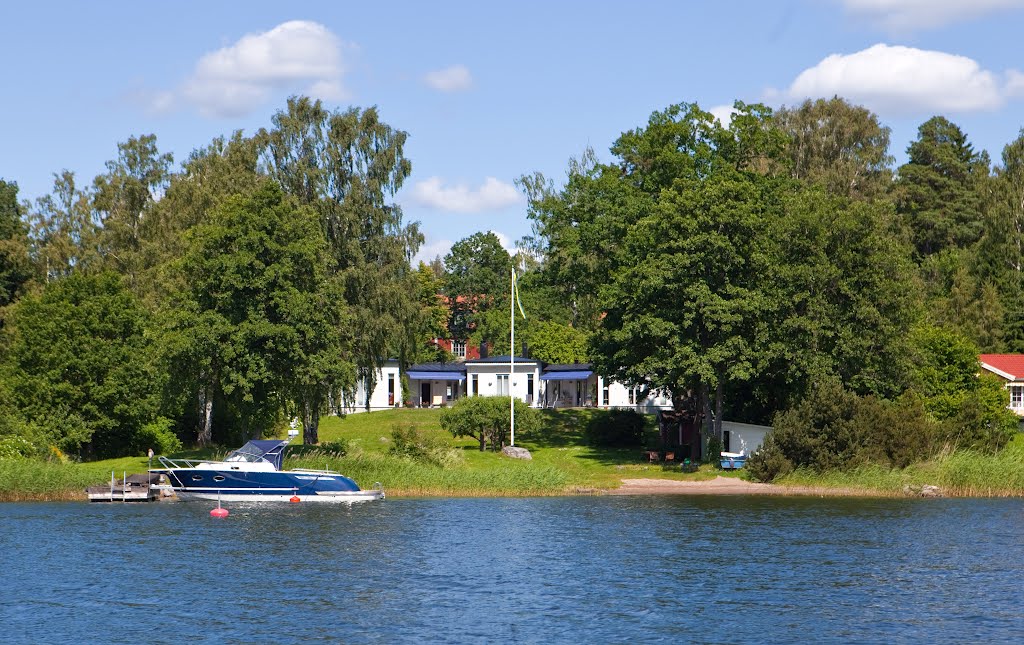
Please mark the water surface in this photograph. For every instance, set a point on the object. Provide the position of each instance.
(576, 569)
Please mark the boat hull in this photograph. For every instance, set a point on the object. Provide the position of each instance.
(266, 486)
(347, 497)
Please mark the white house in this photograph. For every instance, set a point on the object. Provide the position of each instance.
(500, 376)
(386, 392)
(1010, 368)
(435, 385)
(576, 385)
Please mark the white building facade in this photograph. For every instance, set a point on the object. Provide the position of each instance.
(385, 392)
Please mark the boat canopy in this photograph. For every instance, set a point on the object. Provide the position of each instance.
(271, 450)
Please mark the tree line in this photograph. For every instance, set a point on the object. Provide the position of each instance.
(739, 267)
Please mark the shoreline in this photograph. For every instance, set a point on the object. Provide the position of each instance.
(731, 486)
(727, 486)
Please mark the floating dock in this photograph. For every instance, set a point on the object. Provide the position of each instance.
(132, 488)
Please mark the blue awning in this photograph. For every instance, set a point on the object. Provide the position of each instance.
(437, 376)
(567, 376)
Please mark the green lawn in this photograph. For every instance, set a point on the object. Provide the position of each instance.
(563, 463)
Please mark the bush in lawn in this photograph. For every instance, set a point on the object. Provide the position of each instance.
(616, 429)
(416, 444)
(486, 419)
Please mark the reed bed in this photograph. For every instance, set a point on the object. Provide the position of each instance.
(407, 477)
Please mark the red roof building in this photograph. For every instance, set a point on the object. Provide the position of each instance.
(1009, 367)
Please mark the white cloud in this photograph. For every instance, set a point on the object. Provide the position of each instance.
(432, 249)
(460, 198)
(298, 56)
(723, 113)
(910, 15)
(450, 79)
(904, 80)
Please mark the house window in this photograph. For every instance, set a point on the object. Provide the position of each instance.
(1017, 396)
(632, 396)
(604, 394)
(529, 389)
(502, 384)
(459, 348)
(475, 385)
(391, 389)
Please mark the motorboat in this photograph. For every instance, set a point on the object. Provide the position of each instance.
(733, 460)
(253, 474)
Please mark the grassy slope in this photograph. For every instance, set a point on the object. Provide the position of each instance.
(562, 463)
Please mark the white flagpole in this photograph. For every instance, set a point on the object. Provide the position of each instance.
(512, 358)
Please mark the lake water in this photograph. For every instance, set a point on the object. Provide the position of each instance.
(553, 570)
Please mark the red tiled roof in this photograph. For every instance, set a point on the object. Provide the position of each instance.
(1012, 364)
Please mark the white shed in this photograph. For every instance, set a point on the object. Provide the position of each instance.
(742, 437)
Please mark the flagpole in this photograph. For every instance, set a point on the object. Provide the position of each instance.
(512, 358)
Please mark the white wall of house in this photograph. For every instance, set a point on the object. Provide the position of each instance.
(744, 437)
(435, 393)
(612, 394)
(492, 379)
(573, 393)
(386, 392)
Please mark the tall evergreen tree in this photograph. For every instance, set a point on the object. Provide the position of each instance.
(941, 190)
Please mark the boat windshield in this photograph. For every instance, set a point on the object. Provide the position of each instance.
(256, 451)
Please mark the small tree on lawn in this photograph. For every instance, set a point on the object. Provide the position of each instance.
(486, 419)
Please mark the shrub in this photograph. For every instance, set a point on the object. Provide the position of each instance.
(158, 435)
(412, 443)
(615, 429)
(768, 462)
(486, 419)
(833, 429)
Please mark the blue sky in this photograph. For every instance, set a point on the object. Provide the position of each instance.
(486, 91)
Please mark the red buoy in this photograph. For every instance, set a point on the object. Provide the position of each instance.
(219, 512)
(294, 499)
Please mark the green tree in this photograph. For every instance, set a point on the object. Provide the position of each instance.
(346, 165)
(941, 189)
(476, 284)
(554, 342)
(686, 307)
(62, 230)
(839, 146)
(123, 198)
(259, 321)
(15, 264)
(486, 419)
(846, 294)
(80, 365)
(999, 256)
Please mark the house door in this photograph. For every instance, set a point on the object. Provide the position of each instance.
(425, 395)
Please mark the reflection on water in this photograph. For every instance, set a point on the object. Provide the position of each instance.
(577, 569)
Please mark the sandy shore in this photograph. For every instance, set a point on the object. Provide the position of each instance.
(724, 486)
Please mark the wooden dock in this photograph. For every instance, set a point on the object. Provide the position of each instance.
(133, 488)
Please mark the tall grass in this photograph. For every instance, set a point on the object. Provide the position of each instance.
(408, 477)
(27, 479)
(960, 474)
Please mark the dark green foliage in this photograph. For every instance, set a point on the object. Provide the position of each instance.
(940, 190)
(259, 319)
(80, 366)
(769, 462)
(836, 429)
(15, 265)
(615, 429)
(486, 419)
